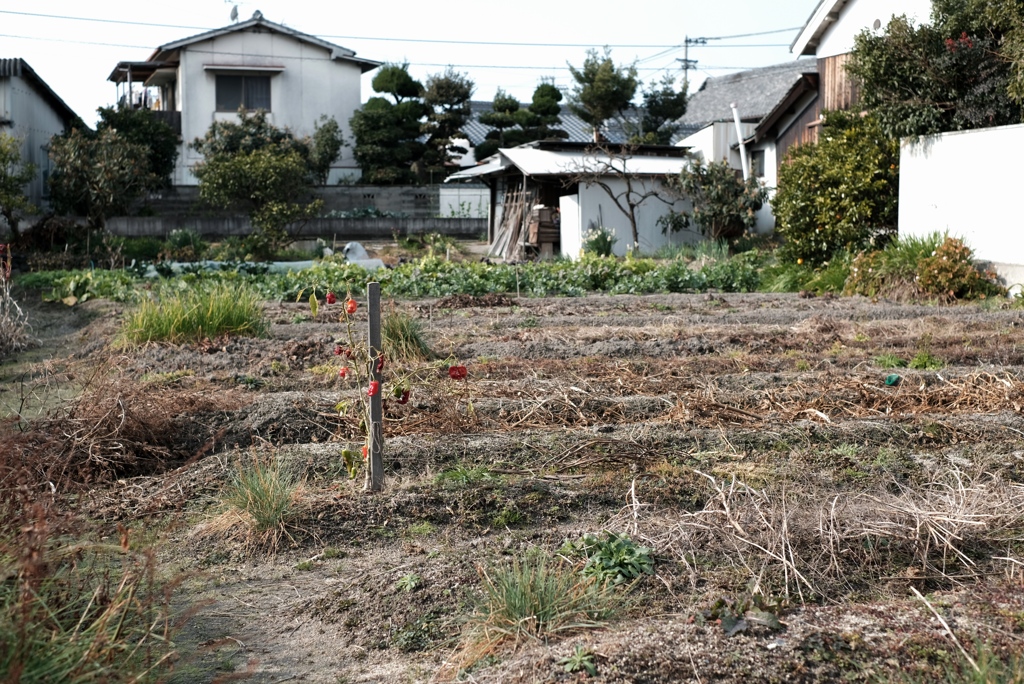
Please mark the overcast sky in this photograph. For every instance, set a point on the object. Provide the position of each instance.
(513, 45)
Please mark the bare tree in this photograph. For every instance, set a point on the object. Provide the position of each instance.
(608, 167)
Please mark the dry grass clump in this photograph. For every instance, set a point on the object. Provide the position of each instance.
(809, 543)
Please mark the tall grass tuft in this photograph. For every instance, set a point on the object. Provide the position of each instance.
(402, 336)
(539, 597)
(81, 613)
(205, 311)
(533, 599)
(265, 490)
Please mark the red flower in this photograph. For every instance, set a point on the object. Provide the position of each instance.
(374, 388)
(457, 372)
(331, 298)
(350, 306)
(343, 371)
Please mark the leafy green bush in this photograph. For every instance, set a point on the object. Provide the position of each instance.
(141, 249)
(185, 245)
(724, 205)
(613, 558)
(194, 313)
(839, 194)
(73, 287)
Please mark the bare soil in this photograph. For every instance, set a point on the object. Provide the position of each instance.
(720, 430)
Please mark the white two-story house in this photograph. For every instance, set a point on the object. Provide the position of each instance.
(256, 64)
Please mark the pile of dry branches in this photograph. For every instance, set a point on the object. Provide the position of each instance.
(808, 543)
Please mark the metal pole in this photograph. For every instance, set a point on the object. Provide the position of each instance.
(375, 471)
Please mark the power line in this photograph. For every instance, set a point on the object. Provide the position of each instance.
(409, 40)
(104, 21)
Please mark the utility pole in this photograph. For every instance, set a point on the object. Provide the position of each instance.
(686, 61)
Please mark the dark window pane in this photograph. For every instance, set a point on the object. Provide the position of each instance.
(257, 92)
(229, 93)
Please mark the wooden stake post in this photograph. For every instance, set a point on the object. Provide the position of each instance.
(375, 471)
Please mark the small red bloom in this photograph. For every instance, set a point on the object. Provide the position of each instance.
(457, 372)
(343, 371)
(350, 306)
(331, 298)
(373, 389)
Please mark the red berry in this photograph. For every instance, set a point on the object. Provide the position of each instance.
(343, 371)
(350, 306)
(373, 389)
(380, 362)
(338, 350)
(405, 397)
(457, 372)
(366, 452)
(331, 298)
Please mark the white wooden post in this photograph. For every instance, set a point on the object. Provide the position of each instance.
(375, 469)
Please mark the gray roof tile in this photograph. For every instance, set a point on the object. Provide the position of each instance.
(756, 93)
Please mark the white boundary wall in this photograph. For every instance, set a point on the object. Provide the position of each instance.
(968, 184)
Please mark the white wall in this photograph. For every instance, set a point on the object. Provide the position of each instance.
(464, 201)
(597, 206)
(967, 183)
(311, 85)
(571, 242)
(35, 123)
(858, 15)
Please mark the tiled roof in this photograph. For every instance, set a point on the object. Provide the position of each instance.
(756, 93)
(577, 128)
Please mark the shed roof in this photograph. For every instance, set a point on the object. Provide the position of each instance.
(566, 159)
(19, 67)
(164, 52)
(756, 92)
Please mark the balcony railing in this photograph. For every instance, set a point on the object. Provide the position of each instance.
(172, 119)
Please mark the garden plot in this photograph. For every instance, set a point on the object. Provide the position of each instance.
(793, 469)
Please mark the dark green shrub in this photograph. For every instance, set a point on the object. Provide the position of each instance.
(839, 194)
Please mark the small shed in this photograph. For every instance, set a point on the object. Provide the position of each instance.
(545, 196)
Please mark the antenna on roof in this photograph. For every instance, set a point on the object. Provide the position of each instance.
(234, 14)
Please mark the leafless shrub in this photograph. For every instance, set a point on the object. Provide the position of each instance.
(13, 323)
(806, 542)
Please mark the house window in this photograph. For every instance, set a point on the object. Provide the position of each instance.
(757, 163)
(251, 92)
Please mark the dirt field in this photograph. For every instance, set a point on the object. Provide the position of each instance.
(756, 443)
